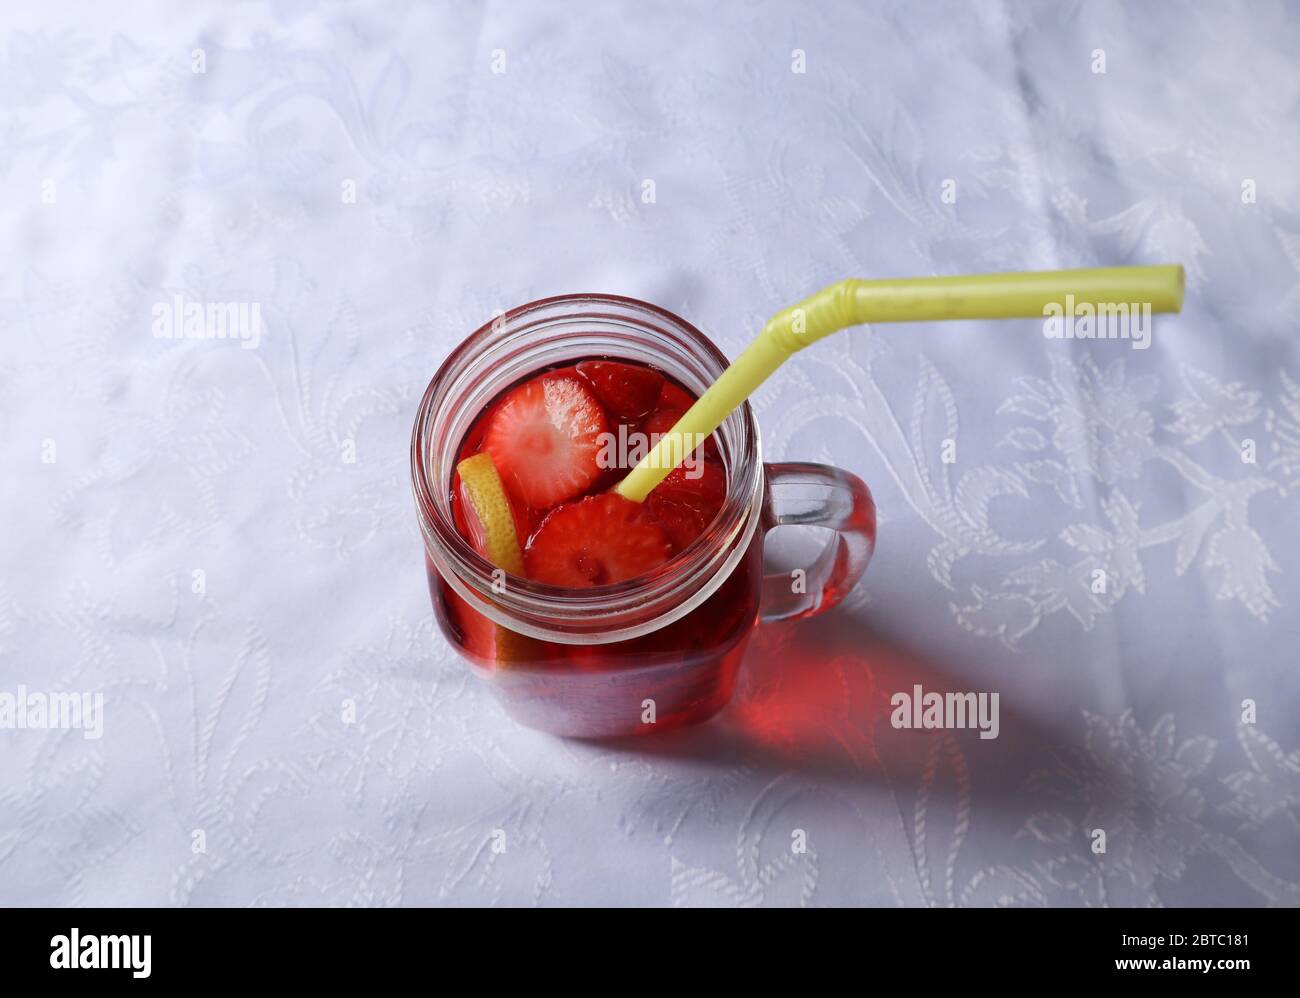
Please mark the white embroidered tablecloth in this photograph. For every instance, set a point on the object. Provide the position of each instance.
(219, 537)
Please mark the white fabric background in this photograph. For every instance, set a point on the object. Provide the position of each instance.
(479, 191)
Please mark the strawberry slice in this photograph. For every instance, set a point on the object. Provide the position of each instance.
(685, 506)
(545, 439)
(672, 397)
(627, 392)
(661, 421)
(600, 540)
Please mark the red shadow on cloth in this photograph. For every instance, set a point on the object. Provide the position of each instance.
(814, 696)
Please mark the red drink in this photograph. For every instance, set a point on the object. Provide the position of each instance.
(575, 533)
(615, 617)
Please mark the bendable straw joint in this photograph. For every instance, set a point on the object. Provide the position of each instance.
(817, 316)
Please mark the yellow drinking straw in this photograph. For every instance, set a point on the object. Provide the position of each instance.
(916, 299)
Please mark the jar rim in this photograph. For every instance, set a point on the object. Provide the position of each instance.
(602, 613)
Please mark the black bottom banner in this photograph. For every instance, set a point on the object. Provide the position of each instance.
(143, 947)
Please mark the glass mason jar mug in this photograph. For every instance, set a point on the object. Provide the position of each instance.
(651, 653)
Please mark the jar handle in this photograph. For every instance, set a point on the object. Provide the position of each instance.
(818, 495)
